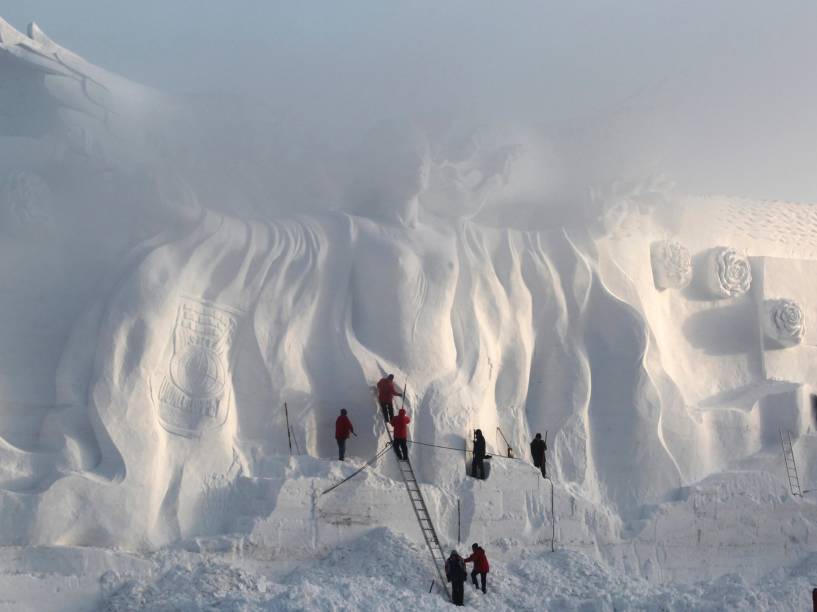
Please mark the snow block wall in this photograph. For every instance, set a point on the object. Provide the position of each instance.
(663, 344)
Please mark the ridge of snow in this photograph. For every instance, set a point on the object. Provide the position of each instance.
(9, 35)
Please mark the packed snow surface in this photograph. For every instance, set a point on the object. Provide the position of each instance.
(155, 350)
(382, 571)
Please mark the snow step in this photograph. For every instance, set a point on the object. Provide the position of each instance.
(791, 466)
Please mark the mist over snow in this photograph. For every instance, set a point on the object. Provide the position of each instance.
(594, 220)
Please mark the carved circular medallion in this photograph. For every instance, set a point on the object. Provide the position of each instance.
(197, 372)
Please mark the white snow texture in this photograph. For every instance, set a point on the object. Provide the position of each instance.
(664, 341)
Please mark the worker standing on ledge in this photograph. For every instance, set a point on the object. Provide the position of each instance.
(537, 450)
(478, 462)
(343, 427)
(386, 392)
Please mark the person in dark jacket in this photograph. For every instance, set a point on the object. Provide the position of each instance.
(343, 427)
(481, 566)
(477, 463)
(537, 450)
(386, 392)
(400, 424)
(456, 574)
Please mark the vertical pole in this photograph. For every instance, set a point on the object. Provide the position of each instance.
(459, 529)
(552, 520)
(289, 434)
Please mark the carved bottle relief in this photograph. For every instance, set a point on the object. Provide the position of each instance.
(193, 394)
(729, 273)
(671, 265)
(784, 322)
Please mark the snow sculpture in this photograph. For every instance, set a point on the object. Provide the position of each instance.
(784, 322)
(193, 395)
(671, 265)
(729, 273)
(610, 205)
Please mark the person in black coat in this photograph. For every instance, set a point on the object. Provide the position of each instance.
(537, 451)
(456, 574)
(477, 463)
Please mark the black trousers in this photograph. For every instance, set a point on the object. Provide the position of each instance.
(482, 576)
(388, 410)
(478, 464)
(401, 448)
(341, 448)
(542, 465)
(457, 595)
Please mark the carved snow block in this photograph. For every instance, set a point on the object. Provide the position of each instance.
(784, 322)
(193, 390)
(786, 293)
(671, 265)
(728, 273)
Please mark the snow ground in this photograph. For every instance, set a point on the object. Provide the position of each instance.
(379, 571)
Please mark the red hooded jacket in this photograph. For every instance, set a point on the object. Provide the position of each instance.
(400, 424)
(479, 560)
(343, 427)
(386, 390)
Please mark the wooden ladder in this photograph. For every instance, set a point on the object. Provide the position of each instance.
(791, 466)
(418, 504)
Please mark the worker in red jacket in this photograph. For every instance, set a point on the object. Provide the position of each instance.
(343, 427)
(481, 566)
(400, 424)
(386, 392)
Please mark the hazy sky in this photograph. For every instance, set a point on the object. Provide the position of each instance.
(720, 95)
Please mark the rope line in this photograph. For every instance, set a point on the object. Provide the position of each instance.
(365, 465)
(460, 450)
(389, 445)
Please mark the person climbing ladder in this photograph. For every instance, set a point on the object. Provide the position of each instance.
(386, 392)
(400, 425)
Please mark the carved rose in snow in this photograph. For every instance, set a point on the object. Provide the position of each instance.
(784, 322)
(671, 265)
(729, 273)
